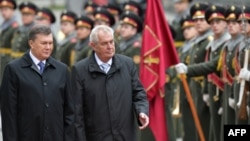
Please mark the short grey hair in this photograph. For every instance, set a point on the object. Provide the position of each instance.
(93, 37)
(39, 29)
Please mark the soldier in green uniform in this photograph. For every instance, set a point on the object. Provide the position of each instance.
(116, 11)
(84, 26)
(66, 48)
(181, 8)
(19, 43)
(240, 71)
(7, 30)
(215, 17)
(226, 64)
(189, 33)
(134, 7)
(46, 17)
(103, 17)
(197, 55)
(130, 43)
(89, 8)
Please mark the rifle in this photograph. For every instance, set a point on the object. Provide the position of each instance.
(244, 90)
(242, 115)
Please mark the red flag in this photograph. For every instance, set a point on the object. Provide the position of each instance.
(157, 54)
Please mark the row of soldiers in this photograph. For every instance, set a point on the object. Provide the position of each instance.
(214, 58)
(75, 29)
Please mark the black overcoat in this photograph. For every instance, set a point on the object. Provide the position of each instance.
(34, 106)
(107, 105)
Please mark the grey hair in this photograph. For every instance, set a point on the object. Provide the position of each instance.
(93, 37)
(39, 29)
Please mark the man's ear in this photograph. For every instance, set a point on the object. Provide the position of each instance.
(31, 43)
(92, 45)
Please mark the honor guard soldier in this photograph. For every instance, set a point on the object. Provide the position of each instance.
(116, 11)
(19, 43)
(130, 44)
(89, 8)
(84, 26)
(215, 17)
(227, 67)
(103, 17)
(135, 7)
(189, 33)
(181, 8)
(46, 17)
(181, 112)
(197, 55)
(7, 30)
(243, 101)
(66, 48)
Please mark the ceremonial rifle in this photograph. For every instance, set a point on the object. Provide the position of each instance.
(242, 102)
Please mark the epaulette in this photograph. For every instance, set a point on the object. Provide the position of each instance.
(187, 60)
(210, 38)
(73, 40)
(14, 24)
(137, 44)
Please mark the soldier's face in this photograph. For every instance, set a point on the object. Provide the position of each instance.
(6, 12)
(67, 27)
(245, 27)
(82, 32)
(127, 31)
(27, 18)
(42, 46)
(218, 26)
(42, 21)
(201, 25)
(100, 22)
(179, 7)
(233, 27)
(190, 32)
(105, 48)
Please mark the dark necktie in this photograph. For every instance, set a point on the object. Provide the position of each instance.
(41, 65)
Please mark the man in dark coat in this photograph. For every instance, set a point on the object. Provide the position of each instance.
(108, 101)
(35, 106)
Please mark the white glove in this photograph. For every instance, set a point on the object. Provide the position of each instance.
(244, 74)
(231, 103)
(220, 111)
(205, 98)
(181, 68)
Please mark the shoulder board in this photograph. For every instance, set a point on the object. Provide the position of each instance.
(14, 24)
(137, 44)
(210, 38)
(73, 40)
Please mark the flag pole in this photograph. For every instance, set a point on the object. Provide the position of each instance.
(192, 106)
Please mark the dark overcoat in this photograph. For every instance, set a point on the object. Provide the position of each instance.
(107, 105)
(36, 107)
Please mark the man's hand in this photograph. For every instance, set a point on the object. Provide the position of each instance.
(244, 74)
(181, 68)
(144, 120)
